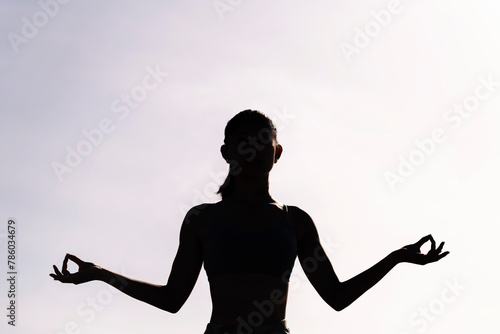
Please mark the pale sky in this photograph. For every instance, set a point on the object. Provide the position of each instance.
(113, 115)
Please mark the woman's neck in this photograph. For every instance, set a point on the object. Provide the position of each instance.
(251, 191)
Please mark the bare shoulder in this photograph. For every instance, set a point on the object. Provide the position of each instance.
(301, 222)
(199, 217)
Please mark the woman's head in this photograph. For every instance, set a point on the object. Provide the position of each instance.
(250, 146)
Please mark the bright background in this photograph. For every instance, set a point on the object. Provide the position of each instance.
(344, 122)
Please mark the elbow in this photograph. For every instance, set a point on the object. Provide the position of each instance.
(171, 309)
(338, 302)
(170, 302)
(171, 306)
(338, 306)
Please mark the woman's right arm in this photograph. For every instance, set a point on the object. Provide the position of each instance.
(152, 294)
(169, 297)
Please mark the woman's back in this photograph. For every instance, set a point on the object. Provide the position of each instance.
(248, 255)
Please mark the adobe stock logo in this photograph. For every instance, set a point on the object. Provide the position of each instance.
(363, 37)
(87, 311)
(265, 308)
(30, 28)
(454, 117)
(420, 320)
(122, 107)
(224, 6)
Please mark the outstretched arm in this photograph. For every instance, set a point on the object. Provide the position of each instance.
(338, 294)
(153, 294)
(353, 288)
(169, 297)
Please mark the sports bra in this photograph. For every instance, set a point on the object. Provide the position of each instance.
(231, 249)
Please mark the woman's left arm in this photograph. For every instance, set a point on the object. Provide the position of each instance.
(322, 276)
(359, 284)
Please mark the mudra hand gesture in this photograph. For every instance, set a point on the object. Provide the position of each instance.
(411, 253)
(87, 271)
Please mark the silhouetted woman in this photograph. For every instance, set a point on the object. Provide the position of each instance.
(248, 243)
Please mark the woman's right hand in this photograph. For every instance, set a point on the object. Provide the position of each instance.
(87, 271)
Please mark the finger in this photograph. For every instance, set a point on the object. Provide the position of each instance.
(54, 276)
(75, 259)
(440, 248)
(423, 240)
(437, 257)
(65, 263)
(71, 278)
(57, 278)
(433, 245)
(440, 256)
(58, 273)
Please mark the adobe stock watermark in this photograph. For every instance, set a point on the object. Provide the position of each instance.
(265, 308)
(31, 26)
(421, 319)
(362, 37)
(223, 7)
(207, 193)
(87, 311)
(121, 107)
(454, 118)
(310, 264)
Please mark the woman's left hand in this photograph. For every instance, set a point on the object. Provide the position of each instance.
(411, 253)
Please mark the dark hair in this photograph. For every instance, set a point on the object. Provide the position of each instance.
(242, 118)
